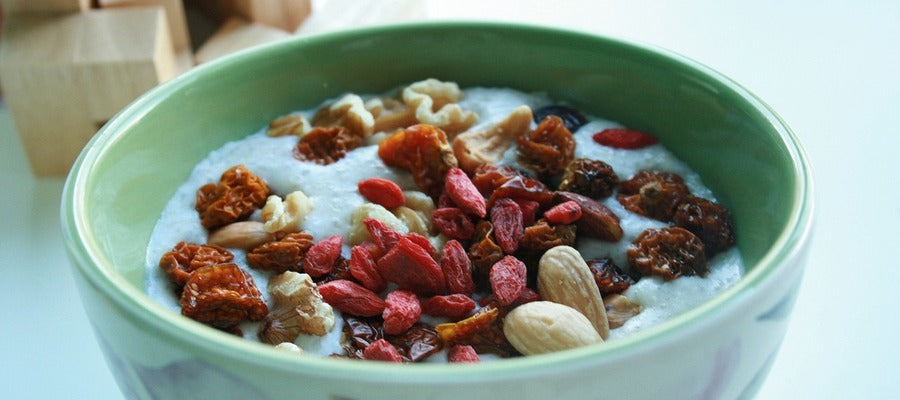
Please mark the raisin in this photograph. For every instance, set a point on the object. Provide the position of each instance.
(597, 220)
(483, 252)
(457, 268)
(506, 217)
(382, 350)
(488, 177)
(522, 188)
(412, 268)
(424, 151)
(654, 194)
(508, 278)
(462, 353)
(382, 192)
(563, 213)
(710, 221)
(401, 311)
(548, 148)
(364, 270)
(222, 296)
(360, 333)
(285, 254)
(591, 178)
(237, 195)
(609, 277)
(460, 189)
(340, 271)
(417, 343)
(351, 298)
(572, 118)
(454, 306)
(320, 258)
(185, 258)
(669, 252)
(541, 237)
(624, 138)
(326, 145)
(453, 223)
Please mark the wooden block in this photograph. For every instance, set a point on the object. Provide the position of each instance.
(237, 34)
(64, 75)
(44, 6)
(282, 14)
(346, 14)
(175, 17)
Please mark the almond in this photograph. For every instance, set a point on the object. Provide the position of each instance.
(564, 277)
(542, 327)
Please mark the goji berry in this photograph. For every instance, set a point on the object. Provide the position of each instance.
(624, 138)
(453, 223)
(506, 216)
(383, 236)
(462, 353)
(382, 350)
(373, 249)
(381, 191)
(401, 311)
(351, 298)
(527, 296)
(457, 268)
(529, 211)
(563, 213)
(454, 306)
(422, 241)
(364, 270)
(508, 278)
(464, 194)
(320, 258)
(412, 268)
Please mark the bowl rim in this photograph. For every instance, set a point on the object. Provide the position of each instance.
(88, 259)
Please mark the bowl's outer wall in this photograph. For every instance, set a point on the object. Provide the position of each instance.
(134, 165)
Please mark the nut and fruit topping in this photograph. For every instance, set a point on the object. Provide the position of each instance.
(237, 195)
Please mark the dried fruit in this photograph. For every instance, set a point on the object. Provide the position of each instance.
(460, 189)
(382, 350)
(483, 252)
(186, 257)
(351, 298)
(529, 211)
(298, 308)
(572, 118)
(709, 221)
(238, 193)
(543, 327)
(412, 268)
(609, 277)
(401, 311)
(286, 216)
(478, 147)
(326, 145)
(563, 213)
(654, 194)
(541, 237)
(506, 217)
(453, 223)
(364, 270)
(453, 306)
(597, 220)
(382, 192)
(521, 188)
(488, 177)
(564, 278)
(383, 236)
(222, 296)
(462, 353)
(340, 271)
(417, 343)
(422, 241)
(457, 268)
(461, 331)
(669, 252)
(619, 309)
(286, 254)
(320, 258)
(422, 150)
(508, 278)
(622, 138)
(592, 178)
(548, 148)
(359, 232)
(243, 235)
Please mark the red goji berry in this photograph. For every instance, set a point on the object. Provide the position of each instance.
(382, 350)
(462, 353)
(457, 268)
(529, 211)
(383, 236)
(401, 311)
(320, 258)
(563, 213)
(454, 306)
(364, 270)
(382, 192)
(453, 223)
(508, 277)
(624, 138)
(412, 268)
(422, 241)
(463, 192)
(506, 216)
(373, 249)
(351, 298)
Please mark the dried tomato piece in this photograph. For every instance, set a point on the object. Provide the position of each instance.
(326, 145)
(417, 343)
(457, 268)
(320, 258)
(382, 192)
(592, 178)
(483, 252)
(186, 257)
(522, 188)
(222, 296)
(412, 268)
(462, 353)
(622, 138)
(548, 148)
(383, 236)
(609, 277)
(655, 194)
(454, 306)
(572, 118)
(597, 220)
(669, 252)
(382, 350)
(281, 255)
(453, 223)
(238, 193)
(488, 177)
(459, 332)
(710, 221)
(563, 213)
(364, 270)
(508, 278)
(541, 236)
(401, 311)
(424, 151)
(506, 217)
(460, 189)
(351, 298)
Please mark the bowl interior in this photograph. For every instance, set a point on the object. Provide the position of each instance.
(122, 182)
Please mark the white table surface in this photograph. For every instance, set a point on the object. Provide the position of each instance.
(830, 68)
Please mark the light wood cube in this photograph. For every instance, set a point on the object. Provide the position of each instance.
(237, 34)
(282, 14)
(44, 6)
(175, 18)
(63, 76)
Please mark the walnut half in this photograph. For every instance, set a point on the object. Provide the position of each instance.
(298, 309)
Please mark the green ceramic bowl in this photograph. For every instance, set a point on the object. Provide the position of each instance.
(744, 152)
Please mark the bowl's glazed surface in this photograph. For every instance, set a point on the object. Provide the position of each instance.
(743, 151)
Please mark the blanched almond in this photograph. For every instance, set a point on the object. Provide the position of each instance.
(542, 327)
(564, 277)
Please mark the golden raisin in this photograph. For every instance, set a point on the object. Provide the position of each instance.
(592, 178)
(222, 296)
(669, 252)
(548, 148)
(542, 236)
(710, 221)
(285, 254)
(326, 145)
(185, 257)
(424, 151)
(238, 193)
